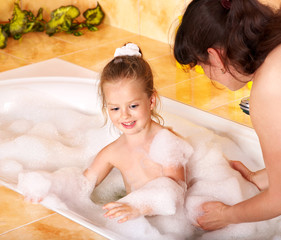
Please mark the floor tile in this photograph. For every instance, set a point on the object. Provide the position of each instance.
(38, 46)
(8, 62)
(15, 212)
(95, 58)
(201, 93)
(166, 73)
(233, 112)
(105, 35)
(55, 227)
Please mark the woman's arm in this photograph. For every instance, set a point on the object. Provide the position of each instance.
(259, 178)
(266, 119)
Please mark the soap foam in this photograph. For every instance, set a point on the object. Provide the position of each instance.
(46, 145)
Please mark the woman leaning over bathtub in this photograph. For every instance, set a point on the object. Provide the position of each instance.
(236, 41)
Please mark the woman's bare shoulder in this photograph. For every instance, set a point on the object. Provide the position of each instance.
(267, 79)
(266, 92)
(272, 61)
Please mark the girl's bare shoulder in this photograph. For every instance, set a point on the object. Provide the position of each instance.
(110, 149)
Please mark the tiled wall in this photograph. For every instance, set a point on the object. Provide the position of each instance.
(155, 19)
(6, 10)
(148, 18)
(152, 19)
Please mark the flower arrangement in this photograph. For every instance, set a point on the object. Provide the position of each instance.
(62, 20)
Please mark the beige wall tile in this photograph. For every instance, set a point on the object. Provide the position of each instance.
(158, 19)
(122, 14)
(6, 10)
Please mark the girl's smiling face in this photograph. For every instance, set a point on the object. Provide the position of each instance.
(128, 105)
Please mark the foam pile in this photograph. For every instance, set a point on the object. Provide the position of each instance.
(45, 146)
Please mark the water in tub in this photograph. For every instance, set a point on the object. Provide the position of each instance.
(45, 145)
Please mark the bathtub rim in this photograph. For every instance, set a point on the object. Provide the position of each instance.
(193, 114)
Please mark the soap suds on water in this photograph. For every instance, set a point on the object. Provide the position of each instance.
(45, 146)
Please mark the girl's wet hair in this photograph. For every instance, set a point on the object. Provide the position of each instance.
(123, 68)
(240, 28)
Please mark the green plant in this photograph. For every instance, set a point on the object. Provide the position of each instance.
(24, 21)
(94, 17)
(3, 37)
(62, 20)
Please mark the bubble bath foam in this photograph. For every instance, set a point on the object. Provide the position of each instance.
(51, 128)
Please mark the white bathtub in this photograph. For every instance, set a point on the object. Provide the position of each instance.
(77, 87)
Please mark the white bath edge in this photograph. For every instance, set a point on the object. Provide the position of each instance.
(55, 85)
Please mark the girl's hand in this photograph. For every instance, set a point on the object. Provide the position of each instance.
(117, 209)
(259, 178)
(34, 200)
(214, 216)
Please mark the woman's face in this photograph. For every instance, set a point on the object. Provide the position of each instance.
(232, 81)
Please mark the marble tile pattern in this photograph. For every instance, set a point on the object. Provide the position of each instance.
(27, 221)
(6, 10)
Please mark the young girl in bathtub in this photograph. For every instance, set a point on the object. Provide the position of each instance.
(151, 159)
(148, 155)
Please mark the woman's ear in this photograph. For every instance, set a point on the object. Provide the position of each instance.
(215, 58)
(152, 101)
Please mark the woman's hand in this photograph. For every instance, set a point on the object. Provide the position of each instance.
(118, 209)
(259, 178)
(214, 216)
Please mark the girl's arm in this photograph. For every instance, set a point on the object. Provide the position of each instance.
(100, 167)
(176, 152)
(175, 172)
(147, 200)
(125, 211)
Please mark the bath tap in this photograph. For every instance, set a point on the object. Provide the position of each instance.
(244, 105)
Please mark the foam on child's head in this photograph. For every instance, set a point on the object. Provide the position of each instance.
(130, 49)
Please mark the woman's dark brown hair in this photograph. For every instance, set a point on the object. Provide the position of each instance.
(243, 31)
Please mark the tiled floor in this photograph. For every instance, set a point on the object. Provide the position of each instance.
(21, 220)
